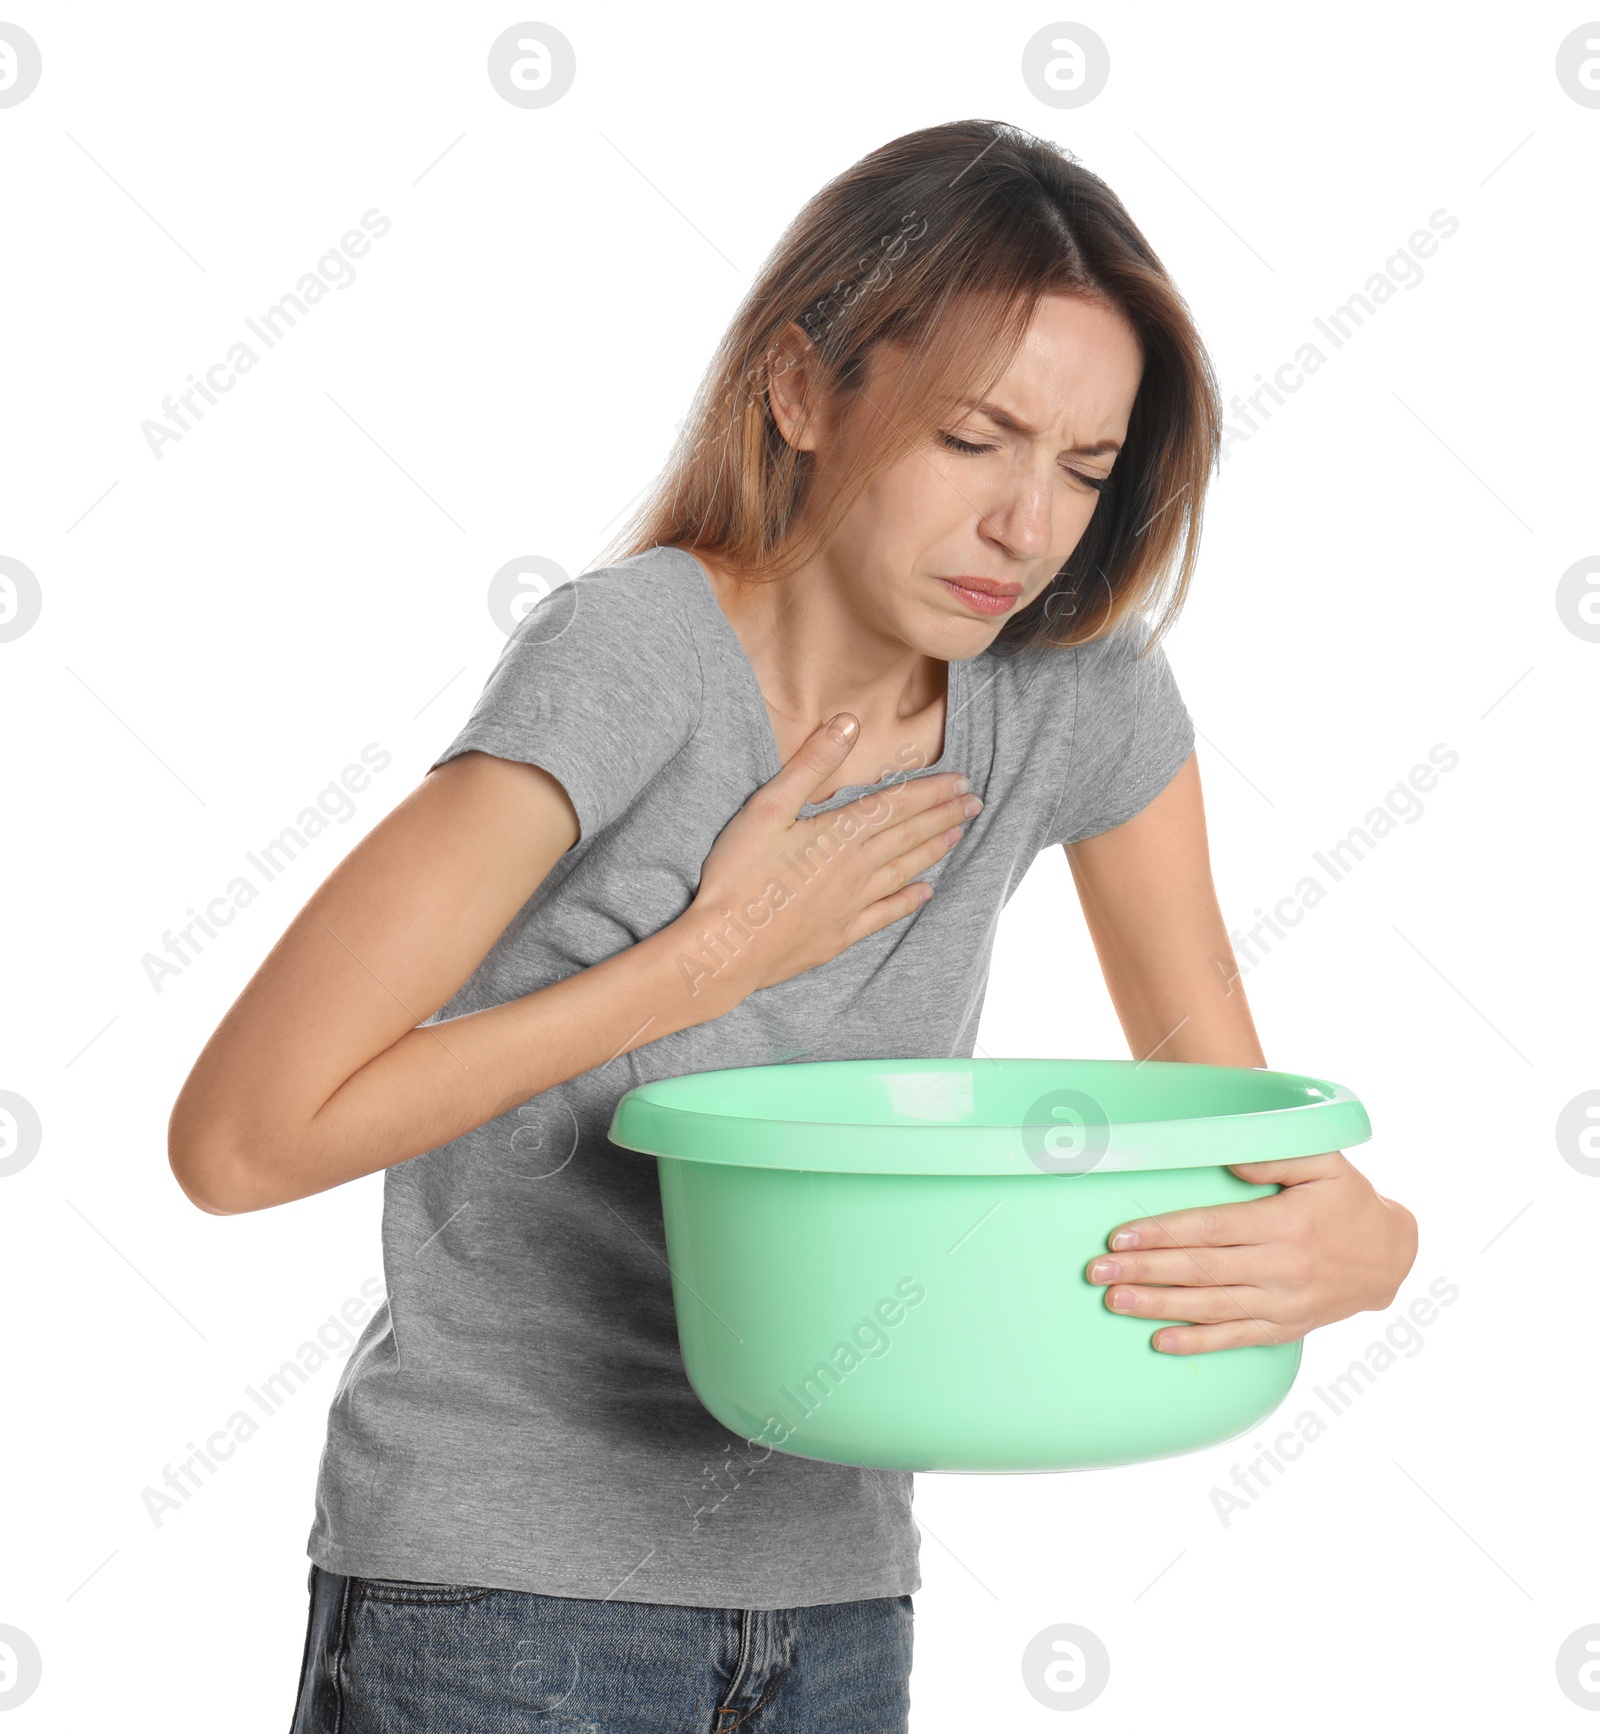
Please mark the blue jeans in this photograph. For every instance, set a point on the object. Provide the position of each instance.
(383, 1657)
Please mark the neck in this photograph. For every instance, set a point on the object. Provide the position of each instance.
(814, 653)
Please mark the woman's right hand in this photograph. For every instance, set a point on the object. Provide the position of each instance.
(780, 894)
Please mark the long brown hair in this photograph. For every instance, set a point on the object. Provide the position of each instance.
(942, 241)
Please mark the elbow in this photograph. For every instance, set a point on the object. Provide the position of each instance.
(215, 1175)
(205, 1182)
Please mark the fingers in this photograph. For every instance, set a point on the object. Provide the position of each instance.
(905, 860)
(891, 875)
(882, 810)
(1206, 1285)
(1293, 1170)
(1187, 1267)
(1204, 1339)
(1241, 1224)
(930, 812)
(907, 849)
(815, 760)
(894, 907)
(930, 822)
(1202, 1306)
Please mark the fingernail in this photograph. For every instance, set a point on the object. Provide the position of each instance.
(1123, 1239)
(1104, 1270)
(971, 806)
(842, 728)
(1123, 1300)
(962, 785)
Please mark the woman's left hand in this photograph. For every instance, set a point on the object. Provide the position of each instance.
(1263, 1270)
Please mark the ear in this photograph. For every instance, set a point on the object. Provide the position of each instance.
(791, 385)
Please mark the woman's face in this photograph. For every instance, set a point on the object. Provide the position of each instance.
(1002, 493)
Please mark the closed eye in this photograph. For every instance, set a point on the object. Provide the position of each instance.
(955, 444)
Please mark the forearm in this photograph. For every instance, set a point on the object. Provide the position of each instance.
(1168, 967)
(439, 1081)
(1181, 1005)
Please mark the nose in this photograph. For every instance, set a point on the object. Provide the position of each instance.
(1021, 518)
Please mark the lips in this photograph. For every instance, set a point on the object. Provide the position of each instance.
(982, 595)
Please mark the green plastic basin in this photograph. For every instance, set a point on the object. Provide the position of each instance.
(881, 1262)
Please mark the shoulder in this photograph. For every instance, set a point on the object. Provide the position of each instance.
(626, 630)
(1123, 655)
(1040, 679)
(1097, 691)
(599, 683)
(638, 599)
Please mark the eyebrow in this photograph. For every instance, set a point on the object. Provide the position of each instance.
(1003, 418)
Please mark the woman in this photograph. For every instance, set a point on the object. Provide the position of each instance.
(756, 791)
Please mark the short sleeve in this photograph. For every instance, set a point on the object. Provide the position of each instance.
(598, 684)
(1132, 733)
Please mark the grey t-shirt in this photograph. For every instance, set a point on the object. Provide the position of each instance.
(516, 1414)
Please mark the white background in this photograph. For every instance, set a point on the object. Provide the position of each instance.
(223, 629)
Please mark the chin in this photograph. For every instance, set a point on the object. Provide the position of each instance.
(953, 638)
